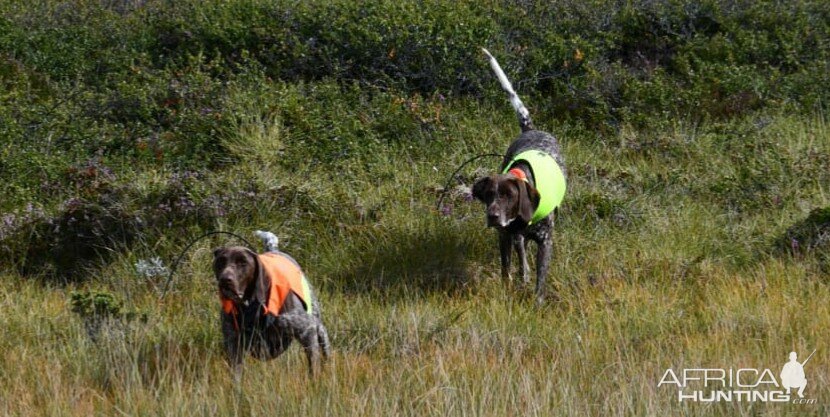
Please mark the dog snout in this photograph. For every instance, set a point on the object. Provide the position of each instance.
(226, 281)
(228, 286)
(494, 216)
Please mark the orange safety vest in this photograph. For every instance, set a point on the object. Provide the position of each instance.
(285, 276)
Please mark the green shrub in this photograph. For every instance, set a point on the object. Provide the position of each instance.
(808, 238)
(598, 61)
(95, 304)
(148, 89)
(102, 311)
(809, 234)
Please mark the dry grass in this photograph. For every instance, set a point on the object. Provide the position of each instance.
(422, 326)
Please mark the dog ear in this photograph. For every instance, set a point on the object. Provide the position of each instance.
(217, 252)
(528, 200)
(261, 282)
(534, 195)
(480, 187)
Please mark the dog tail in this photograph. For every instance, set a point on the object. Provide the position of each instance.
(269, 240)
(521, 111)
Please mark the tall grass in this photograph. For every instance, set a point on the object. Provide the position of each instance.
(665, 276)
(694, 136)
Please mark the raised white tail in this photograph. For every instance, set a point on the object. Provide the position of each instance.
(521, 111)
(269, 240)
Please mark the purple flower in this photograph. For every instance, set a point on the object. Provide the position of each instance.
(8, 220)
(71, 204)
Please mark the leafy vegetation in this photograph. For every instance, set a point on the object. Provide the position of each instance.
(694, 231)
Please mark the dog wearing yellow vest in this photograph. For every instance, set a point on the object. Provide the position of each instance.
(522, 199)
(266, 303)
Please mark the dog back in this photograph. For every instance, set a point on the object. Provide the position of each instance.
(286, 276)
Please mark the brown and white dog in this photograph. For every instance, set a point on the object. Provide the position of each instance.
(522, 199)
(266, 303)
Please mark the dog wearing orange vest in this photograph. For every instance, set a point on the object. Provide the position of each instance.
(266, 304)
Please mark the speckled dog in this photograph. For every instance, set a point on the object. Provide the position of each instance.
(522, 199)
(266, 303)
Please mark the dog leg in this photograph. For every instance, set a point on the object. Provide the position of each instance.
(504, 250)
(304, 328)
(542, 263)
(520, 244)
(323, 340)
(234, 350)
(322, 333)
(311, 345)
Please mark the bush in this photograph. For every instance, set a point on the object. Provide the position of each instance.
(599, 61)
(101, 310)
(153, 88)
(809, 235)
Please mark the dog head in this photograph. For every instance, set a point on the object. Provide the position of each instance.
(506, 199)
(239, 274)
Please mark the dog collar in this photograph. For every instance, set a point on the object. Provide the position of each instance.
(518, 173)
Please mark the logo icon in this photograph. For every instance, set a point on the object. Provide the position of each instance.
(792, 374)
(738, 384)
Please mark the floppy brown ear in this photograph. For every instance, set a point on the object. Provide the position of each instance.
(480, 187)
(534, 195)
(528, 200)
(261, 282)
(217, 252)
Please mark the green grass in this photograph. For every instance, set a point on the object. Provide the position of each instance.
(695, 137)
(419, 320)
